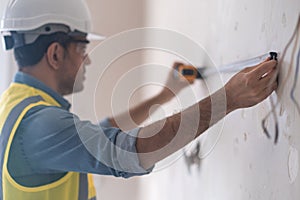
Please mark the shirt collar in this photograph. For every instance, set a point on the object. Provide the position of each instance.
(24, 78)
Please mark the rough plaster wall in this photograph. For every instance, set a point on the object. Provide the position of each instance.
(244, 164)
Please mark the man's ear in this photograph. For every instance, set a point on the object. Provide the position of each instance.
(55, 55)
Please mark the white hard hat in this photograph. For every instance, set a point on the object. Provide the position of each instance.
(28, 15)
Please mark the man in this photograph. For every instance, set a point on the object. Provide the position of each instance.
(46, 151)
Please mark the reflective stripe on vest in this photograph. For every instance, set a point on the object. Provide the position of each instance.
(12, 110)
(9, 124)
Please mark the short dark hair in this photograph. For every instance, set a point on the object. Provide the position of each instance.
(31, 54)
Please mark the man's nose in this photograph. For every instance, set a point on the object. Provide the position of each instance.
(87, 60)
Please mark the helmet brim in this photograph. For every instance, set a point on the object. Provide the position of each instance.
(95, 36)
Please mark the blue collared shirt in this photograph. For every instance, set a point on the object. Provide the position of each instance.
(51, 141)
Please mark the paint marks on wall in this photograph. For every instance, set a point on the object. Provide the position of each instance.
(284, 20)
(236, 26)
(293, 164)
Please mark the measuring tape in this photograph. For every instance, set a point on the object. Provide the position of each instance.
(190, 73)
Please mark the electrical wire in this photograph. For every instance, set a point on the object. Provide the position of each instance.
(265, 129)
(276, 122)
(295, 36)
(295, 83)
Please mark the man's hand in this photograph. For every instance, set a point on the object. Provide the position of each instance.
(251, 85)
(173, 85)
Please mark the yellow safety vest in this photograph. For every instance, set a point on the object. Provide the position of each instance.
(14, 104)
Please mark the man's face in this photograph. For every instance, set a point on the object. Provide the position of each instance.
(73, 74)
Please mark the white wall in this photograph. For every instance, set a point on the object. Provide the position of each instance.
(6, 70)
(8, 67)
(244, 164)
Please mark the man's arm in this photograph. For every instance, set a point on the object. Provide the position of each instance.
(245, 89)
(136, 115)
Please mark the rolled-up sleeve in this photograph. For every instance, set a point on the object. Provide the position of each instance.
(56, 140)
(127, 142)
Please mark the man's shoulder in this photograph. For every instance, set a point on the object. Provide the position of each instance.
(45, 111)
(47, 117)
